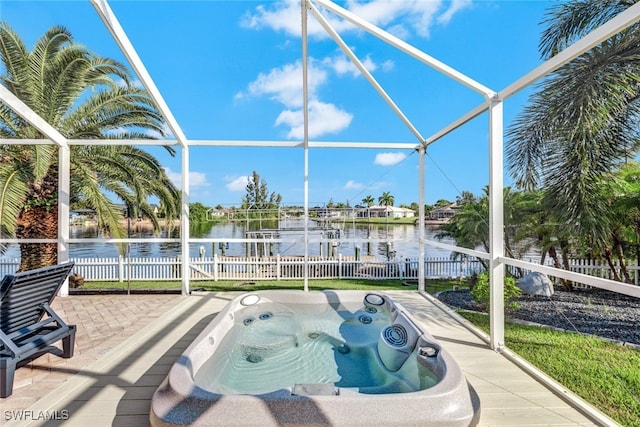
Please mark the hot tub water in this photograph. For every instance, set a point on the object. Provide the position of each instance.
(271, 347)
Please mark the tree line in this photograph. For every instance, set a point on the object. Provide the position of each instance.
(530, 225)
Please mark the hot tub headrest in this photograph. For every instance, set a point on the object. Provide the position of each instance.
(397, 341)
(380, 302)
(429, 356)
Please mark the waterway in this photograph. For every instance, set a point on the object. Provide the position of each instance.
(381, 240)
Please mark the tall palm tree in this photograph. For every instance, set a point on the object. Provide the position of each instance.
(369, 201)
(583, 119)
(469, 227)
(386, 199)
(82, 96)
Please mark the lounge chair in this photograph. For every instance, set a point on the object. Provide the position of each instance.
(29, 326)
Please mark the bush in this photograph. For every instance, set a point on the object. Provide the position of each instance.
(481, 292)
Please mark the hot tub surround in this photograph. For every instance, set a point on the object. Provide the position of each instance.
(433, 390)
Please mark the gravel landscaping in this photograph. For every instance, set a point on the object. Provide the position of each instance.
(592, 312)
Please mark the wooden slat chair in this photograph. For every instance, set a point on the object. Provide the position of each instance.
(29, 326)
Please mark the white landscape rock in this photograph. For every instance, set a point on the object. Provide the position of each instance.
(536, 284)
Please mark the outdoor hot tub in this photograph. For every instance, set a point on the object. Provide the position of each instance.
(331, 358)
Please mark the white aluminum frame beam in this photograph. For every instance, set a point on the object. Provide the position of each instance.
(407, 48)
(363, 70)
(117, 32)
(597, 282)
(496, 224)
(64, 170)
(625, 19)
(493, 103)
(305, 109)
(32, 117)
(226, 143)
(120, 37)
(422, 152)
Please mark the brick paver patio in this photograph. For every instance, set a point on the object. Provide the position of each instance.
(103, 322)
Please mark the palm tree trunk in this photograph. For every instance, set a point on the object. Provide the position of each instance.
(608, 255)
(564, 248)
(38, 222)
(557, 264)
(617, 244)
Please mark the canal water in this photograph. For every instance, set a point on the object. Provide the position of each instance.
(381, 240)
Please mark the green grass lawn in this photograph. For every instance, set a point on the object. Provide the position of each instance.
(432, 286)
(605, 374)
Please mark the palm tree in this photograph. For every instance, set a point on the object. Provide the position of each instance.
(624, 203)
(83, 96)
(469, 227)
(583, 120)
(369, 201)
(386, 199)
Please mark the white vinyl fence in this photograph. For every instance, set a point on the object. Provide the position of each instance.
(215, 268)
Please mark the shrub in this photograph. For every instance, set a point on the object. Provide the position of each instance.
(481, 292)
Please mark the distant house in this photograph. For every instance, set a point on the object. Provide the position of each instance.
(329, 213)
(216, 213)
(81, 216)
(385, 212)
(444, 213)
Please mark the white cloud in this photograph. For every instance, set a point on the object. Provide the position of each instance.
(387, 65)
(237, 183)
(389, 159)
(454, 7)
(285, 16)
(196, 179)
(323, 119)
(343, 65)
(353, 185)
(285, 84)
(401, 18)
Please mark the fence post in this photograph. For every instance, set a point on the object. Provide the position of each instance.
(215, 266)
(278, 274)
(340, 265)
(120, 268)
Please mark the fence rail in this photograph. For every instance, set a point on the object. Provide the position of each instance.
(120, 269)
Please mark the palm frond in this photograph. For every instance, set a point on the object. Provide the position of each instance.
(40, 59)
(14, 56)
(82, 95)
(114, 109)
(13, 192)
(567, 22)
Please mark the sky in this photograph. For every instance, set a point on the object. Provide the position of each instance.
(231, 70)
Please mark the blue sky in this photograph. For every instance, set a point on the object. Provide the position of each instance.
(230, 70)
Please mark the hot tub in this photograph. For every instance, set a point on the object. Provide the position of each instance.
(322, 358)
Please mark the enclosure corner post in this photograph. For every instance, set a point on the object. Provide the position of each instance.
(184, 222)
(64, 198)
(496, 224)
(421, 218)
